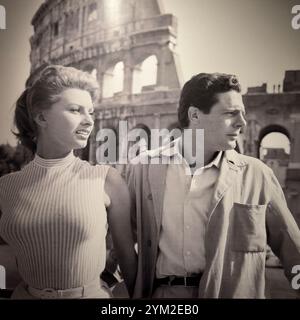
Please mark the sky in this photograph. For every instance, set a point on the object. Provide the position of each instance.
(250, 38)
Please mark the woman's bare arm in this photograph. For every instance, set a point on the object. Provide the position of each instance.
(120, 226)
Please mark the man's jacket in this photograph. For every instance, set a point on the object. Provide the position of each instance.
(248, 210)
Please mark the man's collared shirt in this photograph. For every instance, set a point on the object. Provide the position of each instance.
(186, 208)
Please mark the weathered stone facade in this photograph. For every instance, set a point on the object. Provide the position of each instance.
(96, 35)
(277, 112)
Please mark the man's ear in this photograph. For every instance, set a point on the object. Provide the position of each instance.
(194, 114)
(40, 120)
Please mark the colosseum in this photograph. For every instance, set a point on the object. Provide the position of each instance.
(128, 45)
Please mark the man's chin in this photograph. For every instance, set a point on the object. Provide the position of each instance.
(230, 145)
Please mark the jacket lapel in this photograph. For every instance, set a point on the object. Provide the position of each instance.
(157, 180)
(228, 174)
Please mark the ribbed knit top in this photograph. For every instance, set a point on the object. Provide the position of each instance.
(54, 219)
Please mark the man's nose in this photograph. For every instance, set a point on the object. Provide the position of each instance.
(240, 121)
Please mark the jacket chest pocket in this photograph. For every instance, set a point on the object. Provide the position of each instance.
(249, 228)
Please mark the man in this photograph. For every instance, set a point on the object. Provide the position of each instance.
(204, 234)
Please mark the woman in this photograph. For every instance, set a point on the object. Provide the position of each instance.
(55, 210)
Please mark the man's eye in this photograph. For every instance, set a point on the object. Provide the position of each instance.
(74, 110)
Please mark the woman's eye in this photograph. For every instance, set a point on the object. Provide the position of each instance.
(74, 110)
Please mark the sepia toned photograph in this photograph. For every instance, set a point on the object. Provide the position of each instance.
(149, 149)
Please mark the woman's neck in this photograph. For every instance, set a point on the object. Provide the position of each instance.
(47, 153)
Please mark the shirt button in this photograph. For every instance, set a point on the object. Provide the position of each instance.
(188, 253)
(187, 226)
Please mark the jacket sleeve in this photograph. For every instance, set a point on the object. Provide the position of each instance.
(1, 240)
(133, 178)
(130, 180)
(282, 229)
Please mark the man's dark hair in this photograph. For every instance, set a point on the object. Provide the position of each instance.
(201, 90)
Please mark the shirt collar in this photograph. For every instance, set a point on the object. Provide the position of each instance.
(174, 149)
(54, 163)
(216, 161)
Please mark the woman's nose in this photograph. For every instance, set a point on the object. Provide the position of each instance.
(88, 119)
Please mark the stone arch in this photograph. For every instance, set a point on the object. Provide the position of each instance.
(145, 74)
(270, 129)
(92, 12)
(113, 80)
(273, 128)
(87, 65)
